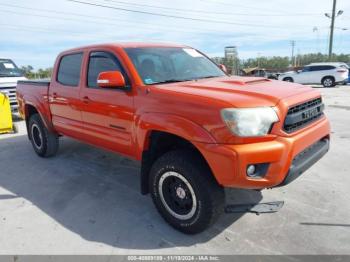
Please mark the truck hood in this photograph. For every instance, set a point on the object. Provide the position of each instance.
(238, 91)
(10, 81)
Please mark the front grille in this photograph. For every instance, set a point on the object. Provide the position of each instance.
(11, 93)
(303, 114)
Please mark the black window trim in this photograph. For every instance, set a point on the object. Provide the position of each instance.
(115, 58)
(322, 67)
(81, 65)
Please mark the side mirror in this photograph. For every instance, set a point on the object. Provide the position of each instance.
(299, 71)
(111, 79)
(223, 68)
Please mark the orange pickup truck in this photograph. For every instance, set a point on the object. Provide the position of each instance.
(195, 129)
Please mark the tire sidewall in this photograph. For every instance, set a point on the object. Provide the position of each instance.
(196, 218)
(209, 194)
(35, 120)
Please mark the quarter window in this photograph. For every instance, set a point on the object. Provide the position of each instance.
(69, 69)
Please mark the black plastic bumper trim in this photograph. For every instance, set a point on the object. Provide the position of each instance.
(306, 159)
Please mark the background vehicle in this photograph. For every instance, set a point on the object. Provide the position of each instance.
(6, 125)
(194, 129)
(9, 75)
(259, 72)
(327, 74)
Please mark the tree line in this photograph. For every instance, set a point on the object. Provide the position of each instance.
(38, 74)
(280, 63)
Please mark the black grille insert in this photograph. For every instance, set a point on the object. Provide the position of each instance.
(303, 114)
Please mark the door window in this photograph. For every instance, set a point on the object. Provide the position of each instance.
(69, 69)
(306, 69)
(101, 62)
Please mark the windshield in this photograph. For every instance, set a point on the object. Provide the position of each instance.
(171, 64)
(9, 69)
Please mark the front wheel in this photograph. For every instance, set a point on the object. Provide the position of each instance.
(44, 142)
(185, 192)
(288, 79)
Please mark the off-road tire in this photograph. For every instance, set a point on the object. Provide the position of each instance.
(44, 142)
(209, 195)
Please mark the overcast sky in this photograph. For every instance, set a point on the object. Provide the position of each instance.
(34, 31)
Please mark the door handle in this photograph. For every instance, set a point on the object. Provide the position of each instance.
(54, 95)
(86, 99)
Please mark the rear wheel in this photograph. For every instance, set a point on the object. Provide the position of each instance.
(328, 81)
(288, 79)
(185, 192)
(44, 142)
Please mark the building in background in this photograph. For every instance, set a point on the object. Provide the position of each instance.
(231, 59)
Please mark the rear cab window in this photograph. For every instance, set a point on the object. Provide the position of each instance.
(69, 69)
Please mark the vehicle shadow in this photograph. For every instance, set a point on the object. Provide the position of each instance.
(96, 194)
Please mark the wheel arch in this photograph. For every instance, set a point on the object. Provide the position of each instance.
(155, 139)
(288, 77)
(328, 76)
(29, 110)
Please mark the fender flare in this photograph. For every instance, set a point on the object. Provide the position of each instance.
(39, 107)
(169, 123)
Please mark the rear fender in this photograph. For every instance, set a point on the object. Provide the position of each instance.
(42, 111)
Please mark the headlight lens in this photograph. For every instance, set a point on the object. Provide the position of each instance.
(249, 121)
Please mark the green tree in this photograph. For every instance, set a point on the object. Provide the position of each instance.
(39, 74)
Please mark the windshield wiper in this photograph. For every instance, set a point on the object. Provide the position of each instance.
(171, 81)
(207, 77)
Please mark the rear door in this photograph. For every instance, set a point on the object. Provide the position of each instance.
(107, 113)
(322, 71)
(64, 95)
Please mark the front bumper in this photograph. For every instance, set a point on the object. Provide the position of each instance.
(285, 156)
(306, 159)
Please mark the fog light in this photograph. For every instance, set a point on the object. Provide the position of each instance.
(251, 170)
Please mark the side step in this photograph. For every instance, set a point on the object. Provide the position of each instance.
(260, 208)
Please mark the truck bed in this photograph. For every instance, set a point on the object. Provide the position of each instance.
(35, 94)
(35, 82)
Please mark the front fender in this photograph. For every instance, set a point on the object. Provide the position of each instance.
(169, 123)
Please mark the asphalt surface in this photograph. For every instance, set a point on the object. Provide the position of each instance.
(87, 201)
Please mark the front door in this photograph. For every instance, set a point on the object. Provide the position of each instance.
(305, 76)
(107, 113)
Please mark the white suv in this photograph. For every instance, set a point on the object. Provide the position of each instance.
(327, 74)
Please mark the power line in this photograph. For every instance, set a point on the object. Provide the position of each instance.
(94, 17)
(202, 11)
(101, 23)
(255, 8)
(174, 16)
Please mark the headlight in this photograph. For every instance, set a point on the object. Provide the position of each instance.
(249, 121)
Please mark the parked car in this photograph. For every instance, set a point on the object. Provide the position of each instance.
(194, 129)
(258, 72)
(327, 74)
(9, 75)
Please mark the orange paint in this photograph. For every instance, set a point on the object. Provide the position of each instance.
(121, 119)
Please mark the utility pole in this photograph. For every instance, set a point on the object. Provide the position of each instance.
(332, 17)
(332, 30)
(292, 57)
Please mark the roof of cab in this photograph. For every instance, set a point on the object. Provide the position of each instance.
(126, 45)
